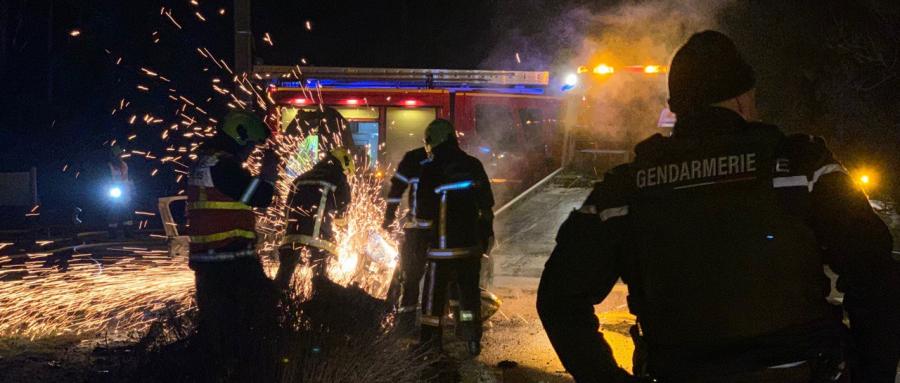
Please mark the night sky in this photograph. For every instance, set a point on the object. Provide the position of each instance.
(59, 93)
(824, 68)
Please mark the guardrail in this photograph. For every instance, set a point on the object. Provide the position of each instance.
(178, 244)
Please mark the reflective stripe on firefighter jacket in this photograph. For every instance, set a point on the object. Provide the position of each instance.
(455, 194)
(442, 251)
(317, 197)
(407, 177)
(318, 218)
(216, 221)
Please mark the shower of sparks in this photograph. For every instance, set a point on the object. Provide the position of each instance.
(89, 297)
(367, 254)
(518, 59)
(123, 296)
(268, 39)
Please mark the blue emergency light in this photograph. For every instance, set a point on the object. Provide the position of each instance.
(570, 81)
(411, 85)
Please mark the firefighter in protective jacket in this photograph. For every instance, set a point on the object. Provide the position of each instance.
(416, 234)
(455, 195)
(236, 300)
(721, 232)
(318, 198)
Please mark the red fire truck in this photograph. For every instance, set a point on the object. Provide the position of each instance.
(505, 118)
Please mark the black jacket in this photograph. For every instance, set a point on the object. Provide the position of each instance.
(230, 177)
(327, 176)
(407, 176)
(721, 233)
(469, 221)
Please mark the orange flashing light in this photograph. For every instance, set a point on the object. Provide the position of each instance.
(604, 69)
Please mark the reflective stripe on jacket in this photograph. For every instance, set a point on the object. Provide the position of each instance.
(216, 221)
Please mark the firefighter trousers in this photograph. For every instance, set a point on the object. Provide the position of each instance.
(413, 251)
(238, 325)
(440, 275)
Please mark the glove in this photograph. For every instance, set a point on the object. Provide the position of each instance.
(269, 170)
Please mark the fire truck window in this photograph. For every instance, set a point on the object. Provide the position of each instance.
(363, 124)
(360, 113)
(495, 127)
(289, 118)
(365, 138)
(532, 124)
(405, 131)
(288, 114)
(307, 145)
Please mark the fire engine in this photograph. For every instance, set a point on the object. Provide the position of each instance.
(610, 109)
(507, 119)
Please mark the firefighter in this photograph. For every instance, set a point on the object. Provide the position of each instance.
(316, 128)
(120, 192)
(455, 195)
(720, 233)
(319, 197)
(236, 300)
(415, 236)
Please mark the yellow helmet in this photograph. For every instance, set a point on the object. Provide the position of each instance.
(245, 128)
(345, 158)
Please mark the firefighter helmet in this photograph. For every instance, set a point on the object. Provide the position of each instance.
(438, 132)
(345, 158)
(245, 128)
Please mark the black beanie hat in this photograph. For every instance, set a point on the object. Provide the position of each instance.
(706, 70)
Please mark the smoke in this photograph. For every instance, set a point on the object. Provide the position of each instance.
(618, 109)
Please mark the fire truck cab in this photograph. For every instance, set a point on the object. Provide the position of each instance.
(504, 118)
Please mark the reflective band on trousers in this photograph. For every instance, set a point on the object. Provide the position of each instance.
(453, 253)
(236, 233)
(304, 239)
(429, 320)
(224, 256)
(415, 223)
(219, 205)
(795, 181)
